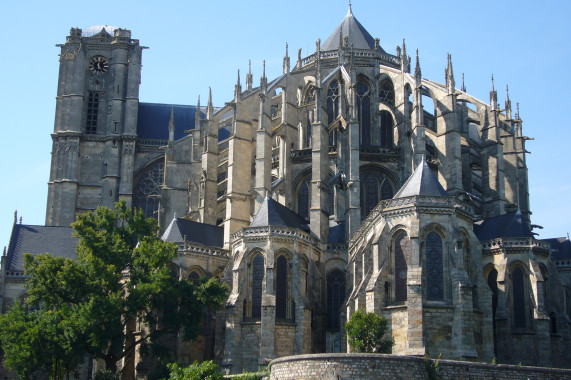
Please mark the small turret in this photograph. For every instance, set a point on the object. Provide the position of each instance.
(249, 77)
(493, 96)
(171, 126)
(449, 73)
(286, 61)
(508, 104)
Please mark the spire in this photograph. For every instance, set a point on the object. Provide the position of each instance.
(15, 216)
(417, 72)
(318, 59)
(508, 103)
(286, 61)
(493, 96)
(197, 115)
(450, 82)
(422, 182)
(237, 88)
(249, 77)
(209, 107)
(349, 11)
(463, 86)
(263, 79)
(405, 59)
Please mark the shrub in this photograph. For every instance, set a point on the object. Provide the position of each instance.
(365, 333)
(207, 370)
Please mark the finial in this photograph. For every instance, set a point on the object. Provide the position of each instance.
(286, 50)
(209, 96)
(507, 92)
(20, 220)
(249, 76)
(350, 11)
(463, 86)
(249, 66)
(264, 70)
(493, 82)
(198, 103)
(417, 72)
(172, 113)
(4, 254)
(318, 44)
(238, 81)
(567, 239)
(15, 216)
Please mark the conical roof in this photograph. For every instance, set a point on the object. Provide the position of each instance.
(421, 182)
(273, 213)
(358, 36)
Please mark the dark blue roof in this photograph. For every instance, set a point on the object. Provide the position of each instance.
(35, 240)
(421, 182)
(358, 36)
(153, 120)
(560, 248)
(337, 233)
(195, 232)
(510, 225)
(273, 213)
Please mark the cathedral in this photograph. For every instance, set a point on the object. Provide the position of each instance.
(347, 182)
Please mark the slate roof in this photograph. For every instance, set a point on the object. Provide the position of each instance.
(421, 182)
(195, 232)
(153, 120)
(510, 225)
(560, 248)
(359, 38)
(35, 240)
(273, 213)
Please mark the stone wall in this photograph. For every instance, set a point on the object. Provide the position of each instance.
(377, 366)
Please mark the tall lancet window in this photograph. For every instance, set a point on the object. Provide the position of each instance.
(401, 249)
(303, 199)
(92, 112)
(386, 129)
(333, 102)
(281, 287)
(335, 298)
(257, 282)
(434, 268)
(518, 285)
(364, 112)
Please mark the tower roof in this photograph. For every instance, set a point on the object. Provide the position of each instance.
(273, 213)
(358, 37)
(421, 182)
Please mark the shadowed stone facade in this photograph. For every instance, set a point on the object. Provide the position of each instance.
(330, 188)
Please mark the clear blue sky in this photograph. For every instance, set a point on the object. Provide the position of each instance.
(194, 45)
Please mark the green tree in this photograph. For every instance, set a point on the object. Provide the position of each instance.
(120, 277)
(366, 333)
(207, 370)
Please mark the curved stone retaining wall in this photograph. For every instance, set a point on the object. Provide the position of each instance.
(378, 366)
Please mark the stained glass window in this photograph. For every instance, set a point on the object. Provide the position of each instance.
(518, 297)
(146, 194)
(364, 112)
(335, 298)
(434, 268)
(386, 129)
(303, 198)
(281, 287)
(374, 188)
(333, 102)
(387, 92)
(402, 249)
(257, 280)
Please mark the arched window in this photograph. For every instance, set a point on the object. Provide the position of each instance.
(281, 287)
(257, 281)
(310, 95)
(518, 285)
(386, 129)
(303, 198)
(335, 298)
(374, 188)
(364, 112)
(387, 92)
(545, 276)
(401, 249)
(146, 193)
(434, 268)
(194, 277)
(92, 112)
(333, 102)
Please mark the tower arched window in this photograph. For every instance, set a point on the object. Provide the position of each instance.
(257, 282)
(282, 288)
(147, 191)
(401, 250)
(434, 267)
(333, 102)
(335, 298)
(303, 197)
(518, 286)
(374, 188)
(387, 92)
(92, 112)
(387, 128)
(364, 112)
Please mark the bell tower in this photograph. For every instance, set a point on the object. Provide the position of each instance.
(96, 122)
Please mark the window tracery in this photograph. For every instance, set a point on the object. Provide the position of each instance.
(333, 102)
(434, 267)
(257, 282)
(387, 92)
(364, 112)
(374, 188)
(401, 249)
(146, 194)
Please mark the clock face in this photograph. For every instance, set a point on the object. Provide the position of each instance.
(98, 65)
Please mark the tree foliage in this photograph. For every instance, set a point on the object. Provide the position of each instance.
(366, 333)
(207, 370)
(121, 278)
